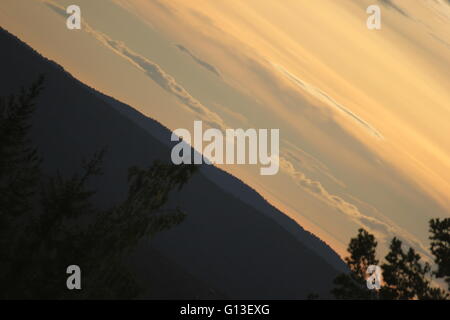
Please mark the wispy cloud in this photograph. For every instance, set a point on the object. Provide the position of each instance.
(391, 4)
(384, 230)
(204, 64)
(164, 80)
(319, 94)
(153, 71)
(308, 162)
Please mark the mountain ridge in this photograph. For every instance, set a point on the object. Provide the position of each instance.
(155, 129)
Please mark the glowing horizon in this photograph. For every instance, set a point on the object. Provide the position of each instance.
(364, 115)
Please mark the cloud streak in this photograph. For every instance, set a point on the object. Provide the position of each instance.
(319, 94)
(204, 64)
(391, 4)
(383, 230)
(153, 71)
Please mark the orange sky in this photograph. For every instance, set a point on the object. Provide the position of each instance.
(363, 115)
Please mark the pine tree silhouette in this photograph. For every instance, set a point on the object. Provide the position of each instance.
(440, 247)
(362, 254)
(405, 276)
(49, 223)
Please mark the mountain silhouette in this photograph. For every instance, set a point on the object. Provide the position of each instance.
(233, 243)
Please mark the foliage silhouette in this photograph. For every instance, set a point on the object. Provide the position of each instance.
(440, 247)
(49, 223)
(362, 254)
(405, 276)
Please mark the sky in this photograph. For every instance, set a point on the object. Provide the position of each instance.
(364, 115)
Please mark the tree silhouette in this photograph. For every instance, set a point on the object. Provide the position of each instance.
(362, 254)
(405, 276)
(440, 247)
(49, 223)
(19, 162)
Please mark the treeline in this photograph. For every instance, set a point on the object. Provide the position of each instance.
(404, 274)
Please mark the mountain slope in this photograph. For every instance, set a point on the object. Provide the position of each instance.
(239, 247)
